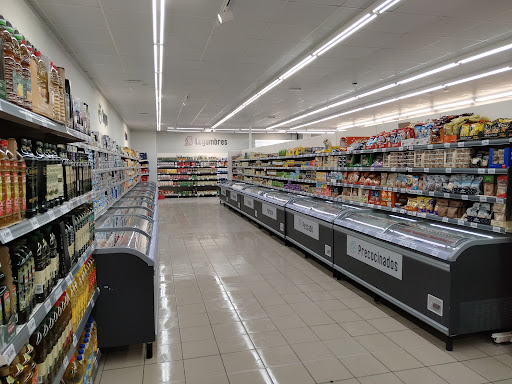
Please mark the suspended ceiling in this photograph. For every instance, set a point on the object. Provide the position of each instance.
(210, 69)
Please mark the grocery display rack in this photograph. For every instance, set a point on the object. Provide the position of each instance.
(76, 337)
(24, 331)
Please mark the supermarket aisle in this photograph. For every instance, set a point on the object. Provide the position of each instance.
(239, 307)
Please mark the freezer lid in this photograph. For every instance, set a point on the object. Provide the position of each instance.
(321, 209)
(255, 191)
(131, 242)
(279, 198)
(239, 186)
(227, 183)
(124, 222)
(436, 240)
(140, 211)
(134, 203)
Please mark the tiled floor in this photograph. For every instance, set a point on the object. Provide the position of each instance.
(238, 307)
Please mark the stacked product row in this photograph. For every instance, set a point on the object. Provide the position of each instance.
(183, 176)
(426, 268)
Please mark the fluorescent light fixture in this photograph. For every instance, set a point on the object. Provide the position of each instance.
(457, 104)
(388, 6)
(411, 113)
(485, 54)
(382, 103)
(476, 77)
(495, 96)
(297, 67)
(162, 20)
(334, 105)
(161, 68)
(428, 73)
(225, 16)
(270, 86)
(377, 90)
(154, 22)
(384, 4)
(461, 230)
(346, 33)
(421, 92)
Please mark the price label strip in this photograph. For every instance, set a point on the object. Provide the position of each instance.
(34, 223)
(31, 326)
(47, 306)
(6, 235)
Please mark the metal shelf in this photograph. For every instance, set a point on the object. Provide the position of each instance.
(23, 332)
(459, 144)
(36, 125)
(113, 169)
(480, 171)
(28, 225)
(429, 216)
(76, 336)
(96, 368)
(97, 149)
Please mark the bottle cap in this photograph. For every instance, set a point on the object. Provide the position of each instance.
(80, 358)
(81, 351)
(82, 346)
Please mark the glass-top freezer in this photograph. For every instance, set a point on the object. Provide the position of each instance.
(125, 222)
(321, 209)
(130, 240)
(438, 240)
(227, 183)
(129, 202)
(255, 191)
(239, 186)
(139, 211)
(279, 198)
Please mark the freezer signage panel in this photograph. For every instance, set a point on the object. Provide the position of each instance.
(249, 202)
(223, 191)
(269, 211)
(377, 257)
(307, 227)
(234, 195)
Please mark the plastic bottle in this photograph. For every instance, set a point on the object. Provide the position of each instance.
(5, 300)
(15, 189)
(74, 372)
(27, 82)
(9, 60)
(22, 176)
(31, 302)
(17, 75)
(5, 165)
(54, 91)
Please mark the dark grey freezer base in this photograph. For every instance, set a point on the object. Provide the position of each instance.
(125, 310)
(471, 299)
(318, 248)
(261, 220)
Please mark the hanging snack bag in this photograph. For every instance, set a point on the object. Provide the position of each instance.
(501, 186)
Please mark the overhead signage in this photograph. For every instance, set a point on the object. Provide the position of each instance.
(194, 141)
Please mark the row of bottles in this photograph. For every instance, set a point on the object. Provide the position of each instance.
(23, 369)
(32, 265)
(32, 81)
(82, 291)
(80, 367)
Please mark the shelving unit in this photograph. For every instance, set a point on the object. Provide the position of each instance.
(24, 331)
(76, 336)
(194, 167)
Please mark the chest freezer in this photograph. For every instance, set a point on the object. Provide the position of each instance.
(309, 223)
(249, 200)
(139, 211)
(109, 223)
(455, 279)
(134, 202)
(225, 187)
(234, 196)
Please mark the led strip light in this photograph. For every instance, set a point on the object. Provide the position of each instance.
(158, 53)
(405, 81)
(406, 96)
(344, 34)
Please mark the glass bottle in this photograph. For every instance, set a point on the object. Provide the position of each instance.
(31, 198)
(40, 286)
(48, 269)
(22, 176)
(41, 176)
(9, 60)
(5, 166)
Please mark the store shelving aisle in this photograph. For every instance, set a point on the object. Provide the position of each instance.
(237, 306)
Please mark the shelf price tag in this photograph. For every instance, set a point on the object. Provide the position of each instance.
(460, 144)
(47, 306)
(426, 170)
(496, 229)
(465, 197)
(51, 214)
(446, 195)
(500, 200)
(448, 170)
(375, 150)
(401, 148)
(473, 225)
(445, 220)
(410, 147)
(69, 279)
(422, 214)
(75, 341)
(10, 354)
(34, 223)
(481, 171)
(485, 142)
(6, 235)
(460, 222)
(393, 169)
(431, 193)
(58, 293)
(430, 146)
(31, 326)
(491, 171)
(447, 145)
(66, 361)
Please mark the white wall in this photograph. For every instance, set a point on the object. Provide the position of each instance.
(145, 141)
(173, 142)
(22, 17)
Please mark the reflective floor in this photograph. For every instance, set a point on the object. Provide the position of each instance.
(238, 307)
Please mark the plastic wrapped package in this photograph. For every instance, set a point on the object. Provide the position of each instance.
(501, 186)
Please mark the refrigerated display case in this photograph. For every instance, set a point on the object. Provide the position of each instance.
(225, 186)
(126, 262)
(309, 223)
(134, 202)
(454, 279)
(234, 196)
